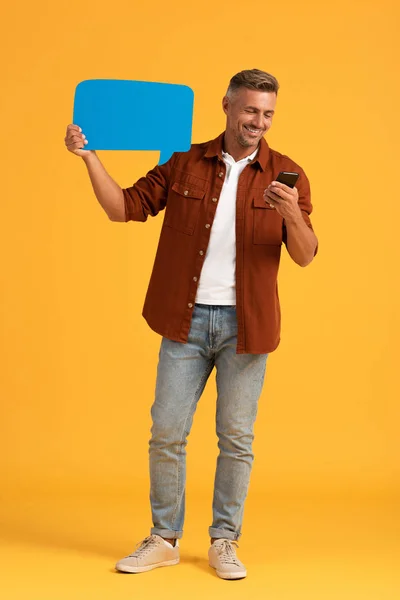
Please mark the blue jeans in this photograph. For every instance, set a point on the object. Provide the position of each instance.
(182, 374)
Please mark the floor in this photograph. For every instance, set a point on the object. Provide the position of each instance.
(57, 545)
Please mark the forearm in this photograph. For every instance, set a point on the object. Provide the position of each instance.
(107, 191)
(301, 241)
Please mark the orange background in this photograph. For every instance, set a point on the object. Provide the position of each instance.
(79, 362)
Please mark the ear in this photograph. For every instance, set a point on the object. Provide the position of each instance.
(225, 104)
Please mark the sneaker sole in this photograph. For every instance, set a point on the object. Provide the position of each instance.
(237, 575)
(132, 569)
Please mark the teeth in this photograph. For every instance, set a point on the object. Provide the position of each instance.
(253, 130)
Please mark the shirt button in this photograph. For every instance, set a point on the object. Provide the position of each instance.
(194, 278)
(208, 226)
(190, 305)
(201, 252)
(214, 199)
(186, 192)
(221, 174)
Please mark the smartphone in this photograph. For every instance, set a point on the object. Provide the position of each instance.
(288, 178)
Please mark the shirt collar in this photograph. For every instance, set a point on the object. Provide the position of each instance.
(215, 148)
(231, 160)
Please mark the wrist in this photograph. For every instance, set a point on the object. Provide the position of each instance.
(90, 157)
(296, 219)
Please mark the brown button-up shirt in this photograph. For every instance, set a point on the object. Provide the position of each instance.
(188, 187)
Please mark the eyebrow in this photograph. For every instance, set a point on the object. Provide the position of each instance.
(255, 108)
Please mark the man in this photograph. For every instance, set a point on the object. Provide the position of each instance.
(213, 298)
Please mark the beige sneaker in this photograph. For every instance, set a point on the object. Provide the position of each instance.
(222, 557)
(151, 553)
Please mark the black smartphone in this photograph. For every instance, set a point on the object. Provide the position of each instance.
(288, 178)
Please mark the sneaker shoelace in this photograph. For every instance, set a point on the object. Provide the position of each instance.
(145, 546)
(227, 553)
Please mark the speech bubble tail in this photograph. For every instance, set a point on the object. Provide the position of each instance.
(164, 156)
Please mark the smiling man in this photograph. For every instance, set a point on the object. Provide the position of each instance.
(213, 298)
(249, 116)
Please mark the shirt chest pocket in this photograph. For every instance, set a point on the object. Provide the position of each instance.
(267, 222)
(183, 207)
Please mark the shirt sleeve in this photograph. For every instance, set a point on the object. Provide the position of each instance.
(303, 187)
(149, 194)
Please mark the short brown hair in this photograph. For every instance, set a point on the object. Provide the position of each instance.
(253, 79)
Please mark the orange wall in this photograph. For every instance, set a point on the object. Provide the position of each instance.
(78, 361)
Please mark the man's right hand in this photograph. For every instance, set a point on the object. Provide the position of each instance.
(75, 141)
(107, 191)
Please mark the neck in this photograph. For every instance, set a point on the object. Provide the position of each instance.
(232, 147)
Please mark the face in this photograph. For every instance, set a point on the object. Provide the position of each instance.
(249, 115)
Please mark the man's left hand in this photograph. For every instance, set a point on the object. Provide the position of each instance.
(284, 199)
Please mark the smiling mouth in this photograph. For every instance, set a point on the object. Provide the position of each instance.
(252, 130)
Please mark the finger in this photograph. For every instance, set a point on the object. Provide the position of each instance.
(270, 201)
(76, 145)
(282, 186)
(76, 140)
(270, 194)
(284, 190)
(73, 128)
(75, 136)
(280, 193)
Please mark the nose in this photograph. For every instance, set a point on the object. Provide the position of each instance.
(258, 121)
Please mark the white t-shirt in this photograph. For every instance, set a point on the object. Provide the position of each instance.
(217, 283)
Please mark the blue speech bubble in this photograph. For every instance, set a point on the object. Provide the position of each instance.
(119, 114)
